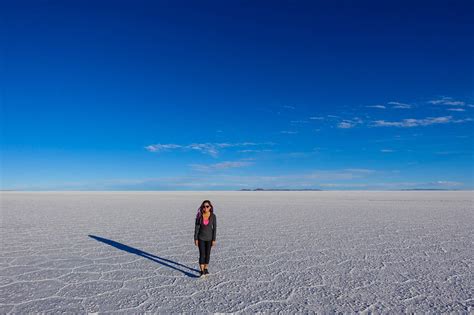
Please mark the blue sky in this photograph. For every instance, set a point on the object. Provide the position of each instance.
(225, 95)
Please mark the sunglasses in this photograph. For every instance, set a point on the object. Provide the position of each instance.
(207, 206)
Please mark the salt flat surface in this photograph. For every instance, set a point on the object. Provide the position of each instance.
(288, 252)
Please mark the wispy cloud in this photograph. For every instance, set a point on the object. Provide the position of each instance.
(452, 152)
(296, 154)
(399, 105)
(345, 124)
(313, 177)
(231, 182)
(387, 150)
(344, 174)
(290, 132)
(349, 123)
(396, 185)
(338, 178)
(412, 122)
(456, 109)
(316, 118)
(162, 147)
(376, 106)
(221, 166)
(446, 183)
(206, 148)
(252, 151)
(447, 101)
(360, 170)
(299, 121)
(336, 185)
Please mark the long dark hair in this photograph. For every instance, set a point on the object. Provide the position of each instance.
(201, 210)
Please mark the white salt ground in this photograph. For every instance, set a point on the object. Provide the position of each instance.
(288, 252)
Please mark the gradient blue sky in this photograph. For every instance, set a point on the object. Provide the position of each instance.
(211, 95)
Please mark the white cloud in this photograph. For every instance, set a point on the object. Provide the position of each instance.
(251, 150)
(314, 177)
(399, 105)
(220, 166)
(446, 183)
(448, 152)
(456, 109)
(348, 123)
(400, 185)
(387, 150)
(376, 106)
(218, 180)
(334, 174)
(360, 170)
(316, 118)
(411, 122)
(206, 148)
(288, 107)
(343, 185)
(446, 101)
(289, 132)
(345, 125)
(462, 120)
(161, 147)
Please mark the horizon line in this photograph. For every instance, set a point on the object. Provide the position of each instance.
(241, 190)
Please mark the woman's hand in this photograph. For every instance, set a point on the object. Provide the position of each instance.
(196, 242)
(213, 243)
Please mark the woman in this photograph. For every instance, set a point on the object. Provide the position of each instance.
(205, 234)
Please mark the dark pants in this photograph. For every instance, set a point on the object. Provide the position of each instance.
(204, 251)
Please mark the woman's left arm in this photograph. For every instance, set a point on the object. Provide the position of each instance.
(214, 230)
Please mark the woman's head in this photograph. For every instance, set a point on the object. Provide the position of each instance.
(206, 206)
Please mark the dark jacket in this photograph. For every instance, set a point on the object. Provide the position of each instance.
(205, 232)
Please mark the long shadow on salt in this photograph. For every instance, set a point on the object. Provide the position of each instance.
(141, 253)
